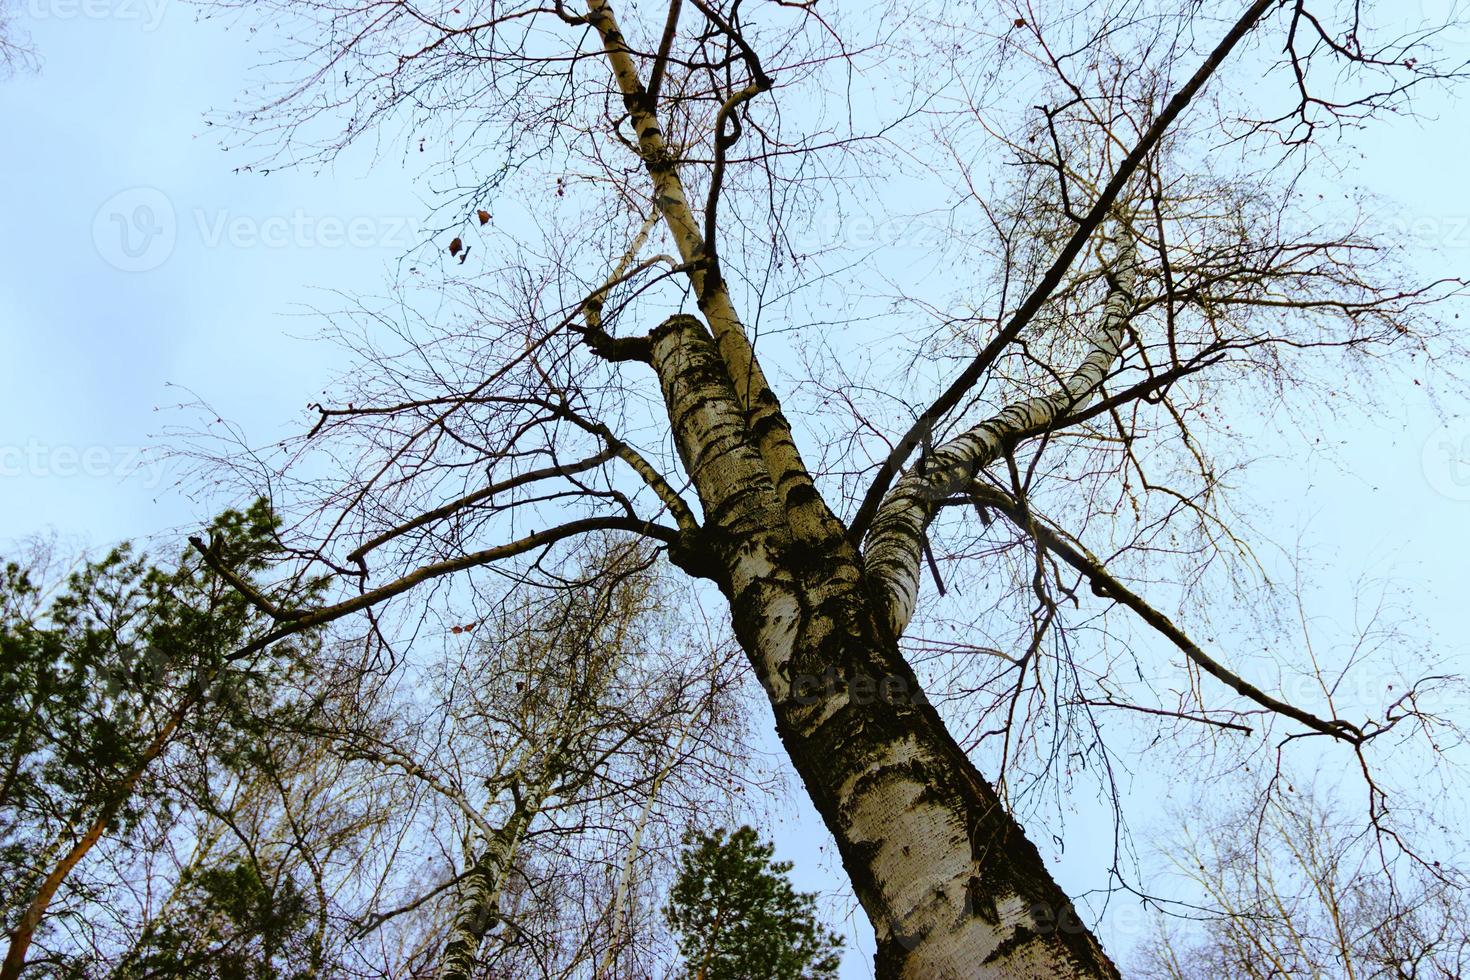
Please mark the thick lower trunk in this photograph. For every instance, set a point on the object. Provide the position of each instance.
(951, 883)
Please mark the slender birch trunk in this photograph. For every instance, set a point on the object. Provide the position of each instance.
(619, 914)
(479, 902)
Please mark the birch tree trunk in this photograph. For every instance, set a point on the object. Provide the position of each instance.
(479, 903)
(572, 652)
(948, 878)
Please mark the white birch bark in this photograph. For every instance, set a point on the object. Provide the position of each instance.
(894, 543)
(478, 910)
(619, 911)
(948, 879)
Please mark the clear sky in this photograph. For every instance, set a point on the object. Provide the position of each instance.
(138, 270)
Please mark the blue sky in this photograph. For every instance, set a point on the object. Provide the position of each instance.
(140, 271)
(110, 133)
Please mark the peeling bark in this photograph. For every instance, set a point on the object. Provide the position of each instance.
(946, 875)
(768, 431)
(948, 878)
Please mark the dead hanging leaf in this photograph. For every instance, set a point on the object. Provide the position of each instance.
(1020, 21)
(484, 217)
(470, 626)
(456, 629)
(455, 246)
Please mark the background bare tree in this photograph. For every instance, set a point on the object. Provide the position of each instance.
(318, 815)
(16, 53)
(560, 753)
(1296, 890)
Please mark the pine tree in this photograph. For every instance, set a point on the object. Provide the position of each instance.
(98, 683)
(739, 917)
